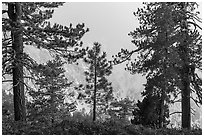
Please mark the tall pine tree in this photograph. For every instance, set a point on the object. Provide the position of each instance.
(26, 24)
(168, 44)
(98, 87)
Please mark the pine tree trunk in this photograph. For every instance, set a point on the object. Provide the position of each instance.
(94, 105)
(185, 93)
(14, 13)
(94, 98)
(186, 107)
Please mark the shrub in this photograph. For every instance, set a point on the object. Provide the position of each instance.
(80, 126)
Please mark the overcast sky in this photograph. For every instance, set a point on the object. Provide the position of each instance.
(109, 22)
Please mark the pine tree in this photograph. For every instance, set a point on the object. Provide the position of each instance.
(169, 46)
(147, 112)
(189, 44)
(99, 68)
(26, 24)
(15, 15)
(52, 83)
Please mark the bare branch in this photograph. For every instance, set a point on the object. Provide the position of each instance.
(10, 80)
(193, 111)
(196, 101)
(194, 24)
(118, 61)
(177, 112)
(175, 97)
(4, 11)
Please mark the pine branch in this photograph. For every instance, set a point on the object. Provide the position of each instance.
(196, 101)
(178, 112)
(4, 11)
(10, 80)
(124, 58)
(195, 25)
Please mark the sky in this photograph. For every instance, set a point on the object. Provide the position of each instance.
(109, 24)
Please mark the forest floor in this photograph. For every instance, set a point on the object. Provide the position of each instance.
(72, 127)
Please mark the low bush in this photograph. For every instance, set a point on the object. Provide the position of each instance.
(87, 127)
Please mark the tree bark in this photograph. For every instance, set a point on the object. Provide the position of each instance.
(186, 107)
(14, 13)
(185, 93)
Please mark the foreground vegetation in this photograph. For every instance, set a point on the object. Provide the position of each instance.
(87, 127)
